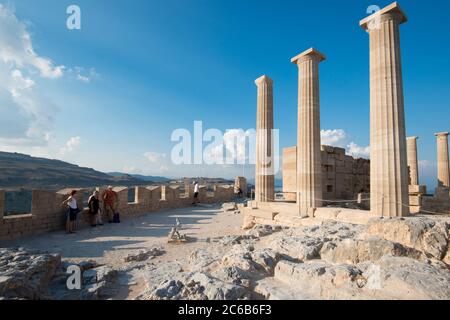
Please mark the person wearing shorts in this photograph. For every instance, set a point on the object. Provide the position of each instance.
(72, 213)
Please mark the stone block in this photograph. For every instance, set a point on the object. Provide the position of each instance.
(416, 189)
(415, 200)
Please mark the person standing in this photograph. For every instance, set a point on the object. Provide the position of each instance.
(196, 192)
(94, 209)
(109, 202)
(71, 203)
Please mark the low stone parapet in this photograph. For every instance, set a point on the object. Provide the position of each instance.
(48, 214)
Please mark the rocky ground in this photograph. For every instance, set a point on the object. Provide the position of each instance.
(387, 259)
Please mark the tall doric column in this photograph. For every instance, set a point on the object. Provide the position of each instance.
(443, 165)
(309, 156)
(412, 160)
(388, 157)
(265, 181)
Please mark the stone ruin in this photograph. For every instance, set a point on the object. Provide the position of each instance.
(47, 213)
(300, 250)
(315, 176)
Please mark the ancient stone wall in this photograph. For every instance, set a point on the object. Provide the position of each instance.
(439, 203)
(343, 176)
(47, 213)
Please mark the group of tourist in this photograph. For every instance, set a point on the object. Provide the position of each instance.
(109, 199)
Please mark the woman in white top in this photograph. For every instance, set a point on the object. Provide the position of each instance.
(71, 203)
(196, 191)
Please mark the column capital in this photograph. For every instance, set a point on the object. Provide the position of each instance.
(412, 138)
(392, 12)
(308, 55)
(263, 79)
(442, 134)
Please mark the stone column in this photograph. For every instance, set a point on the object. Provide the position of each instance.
(412, 160)
(442, 160)
(309, 157)
(265, 180)
(388, 165)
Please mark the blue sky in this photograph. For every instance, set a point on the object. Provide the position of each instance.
(137, 70)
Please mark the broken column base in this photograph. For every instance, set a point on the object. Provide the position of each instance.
(286, 214)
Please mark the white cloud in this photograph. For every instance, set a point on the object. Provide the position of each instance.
(358, 152)
(154, 157)
(26, 117)
(335, 138)
(16, 47)
(83, 78)
(71, 145)
(340, 138)
(83, 75)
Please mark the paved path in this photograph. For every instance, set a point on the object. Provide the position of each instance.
(110, 243)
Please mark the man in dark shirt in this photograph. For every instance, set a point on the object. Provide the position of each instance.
(94, 208)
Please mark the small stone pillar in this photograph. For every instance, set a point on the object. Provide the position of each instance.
(265, 180)
(412, 160)
(442, 160)
(241, 183)
(309, 156)
(388, 156)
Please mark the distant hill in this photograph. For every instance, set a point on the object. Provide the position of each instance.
(154, 179)
(23, 171)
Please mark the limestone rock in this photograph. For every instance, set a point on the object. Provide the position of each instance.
(229, 206)
(319, 279)
(239, 256)
(424, 234)
(25, 274)
(233, 275)
(266, 259)
(354, 251)
(297, 248)
(168, 290)
(406, 278)
(143, 255)
(202, 258)
(235, 239)
(219, 290)
(99, 283)
(249, 222)
(262, 230)
(198, 286)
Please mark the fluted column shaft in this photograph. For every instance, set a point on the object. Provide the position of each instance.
(309, 156)
(412, 161)
(388, 166)
(264, 178)
(442, 160)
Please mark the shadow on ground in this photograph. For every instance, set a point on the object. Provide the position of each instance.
(131, 234)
